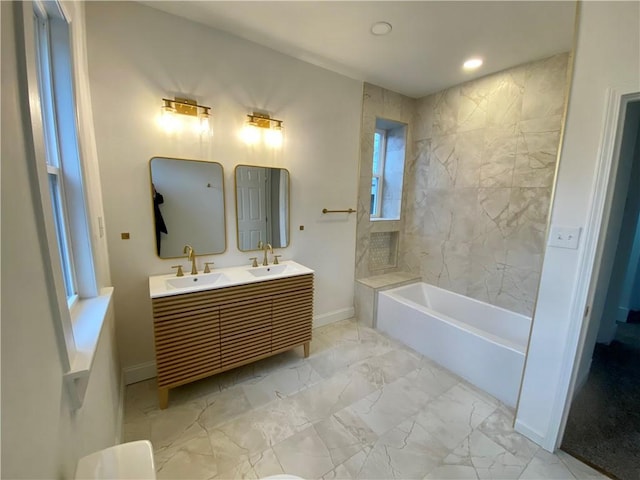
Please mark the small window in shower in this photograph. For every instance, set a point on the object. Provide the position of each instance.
(387, 169)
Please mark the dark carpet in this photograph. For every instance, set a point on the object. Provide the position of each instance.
(603, 428)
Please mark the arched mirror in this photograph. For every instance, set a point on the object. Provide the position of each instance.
(188, 206)
(262, 206)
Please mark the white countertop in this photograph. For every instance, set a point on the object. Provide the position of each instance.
(159, 287)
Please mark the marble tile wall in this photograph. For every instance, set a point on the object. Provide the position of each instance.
(478, 185)
(377, 103)
(481, 160)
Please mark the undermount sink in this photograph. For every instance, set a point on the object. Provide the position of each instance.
(195, 280)
(270, 270)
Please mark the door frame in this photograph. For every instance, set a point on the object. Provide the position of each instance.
(617, 100)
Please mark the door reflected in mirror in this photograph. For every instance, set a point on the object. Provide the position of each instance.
(262, 206)
(188, 206)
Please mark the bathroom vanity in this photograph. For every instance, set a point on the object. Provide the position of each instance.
(209, 323)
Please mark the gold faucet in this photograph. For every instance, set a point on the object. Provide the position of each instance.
(266, 247)
(191, 256)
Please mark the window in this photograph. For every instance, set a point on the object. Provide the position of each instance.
(63, 165)
(78, 306)
(387, 169)
(377, 178)
(53, 154)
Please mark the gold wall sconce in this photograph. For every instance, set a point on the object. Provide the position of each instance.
(198, 117)
(260, 126)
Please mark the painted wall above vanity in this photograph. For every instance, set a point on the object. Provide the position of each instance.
(176, 57)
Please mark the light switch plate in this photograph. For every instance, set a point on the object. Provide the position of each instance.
(564, 237)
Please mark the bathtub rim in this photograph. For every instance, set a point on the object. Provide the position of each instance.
(460, 325)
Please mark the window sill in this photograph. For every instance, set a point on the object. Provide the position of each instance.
(88, 317)
(381, 225)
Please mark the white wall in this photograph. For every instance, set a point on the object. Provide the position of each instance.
(607, 56)
(139, 55)
(41, 436)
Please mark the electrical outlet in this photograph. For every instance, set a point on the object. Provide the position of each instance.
(564, 237)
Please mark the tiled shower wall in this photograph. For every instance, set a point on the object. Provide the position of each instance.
(377, 103)
(478, 179)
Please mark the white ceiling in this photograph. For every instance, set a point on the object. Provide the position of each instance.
(423, 53)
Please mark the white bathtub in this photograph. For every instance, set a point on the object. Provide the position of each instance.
(482, 343)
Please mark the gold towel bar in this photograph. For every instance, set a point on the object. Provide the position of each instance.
(351, 210)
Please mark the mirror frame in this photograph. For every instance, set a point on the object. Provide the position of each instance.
(224, 205)
(235, 196)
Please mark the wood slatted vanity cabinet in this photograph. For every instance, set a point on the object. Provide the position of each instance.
(207, 332)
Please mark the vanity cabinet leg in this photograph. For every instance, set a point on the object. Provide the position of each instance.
(306, 349)
(163, 397)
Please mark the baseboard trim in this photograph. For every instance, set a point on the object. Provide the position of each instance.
(531, 434)
(138, 373)
(331, 317)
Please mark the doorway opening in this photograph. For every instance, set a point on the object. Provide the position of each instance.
(603, 425)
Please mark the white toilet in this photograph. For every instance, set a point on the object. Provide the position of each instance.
(127, 461)
(130, 461)
(282, 476)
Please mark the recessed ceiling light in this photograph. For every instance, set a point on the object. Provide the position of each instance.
(381, 28)
(472, 64)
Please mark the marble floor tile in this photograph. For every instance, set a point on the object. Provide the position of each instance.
(331, 395)
(579, 469)
(304, 454)
(223, 406)
(262, 427)
(355, 426)
(453, 472)
(280, 383)
(343, 356)
(405, 452)
(499, 427)
(389, 367)
(546, 465)
(454, 415)
(339, 440)
(191, 459)
(266, 464)
(431, 378)
(339, 473)
(390, 405)
(489, 459)
(361, 406)
(170, 427)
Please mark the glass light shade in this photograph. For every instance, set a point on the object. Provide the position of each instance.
(250, 134)
(203, 125)
(273, 137)
(167, 119)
